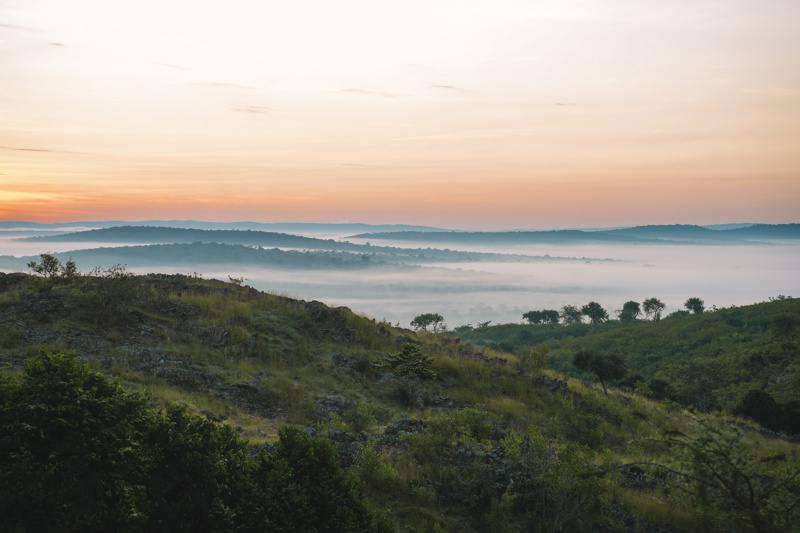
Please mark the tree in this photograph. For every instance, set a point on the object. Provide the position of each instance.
(605, 366)
(71, 450)
(595, 312)
(630, 310)
(762, 408)
(533, 317)
(300, 486)
(421, 322)
(695, 305)
(571, 315)
(653, 307)
(410, 361)
(550, 316)
(52, 271)
(78, 453)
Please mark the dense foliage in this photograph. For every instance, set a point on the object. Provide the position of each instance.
(78, 453)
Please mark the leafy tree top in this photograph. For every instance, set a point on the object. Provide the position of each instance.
(421, 322)
(653, 307)
(630, 310)
(595, 312)
(695, 305)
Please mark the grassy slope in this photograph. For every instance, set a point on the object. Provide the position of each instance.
(264, 361)
(722, 354)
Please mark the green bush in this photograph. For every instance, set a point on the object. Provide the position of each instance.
(78, 453)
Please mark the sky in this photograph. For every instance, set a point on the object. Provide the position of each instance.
(472, 114)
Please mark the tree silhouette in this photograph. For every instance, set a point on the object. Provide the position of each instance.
(695, 305)
(605, 366)
(653, 307)
(571, 315)
(595, 312)
(421, 322)
(630, 310)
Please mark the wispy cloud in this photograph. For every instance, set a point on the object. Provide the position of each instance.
(56, 44)
(370, 93)
(445, 86)
(252, 109)
(565, 104)
(46, 150)
(218, 85)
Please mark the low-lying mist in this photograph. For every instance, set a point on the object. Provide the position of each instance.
(473, 292)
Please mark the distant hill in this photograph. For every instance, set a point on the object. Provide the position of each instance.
(767, 231)
(314, 253)
(155, 235)
(280, 227)
(507, 237)
(682, 232)
(703, 234)
(200, 255)
(662, 234)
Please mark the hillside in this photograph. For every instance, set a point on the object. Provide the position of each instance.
(443, 436)
(709, 361)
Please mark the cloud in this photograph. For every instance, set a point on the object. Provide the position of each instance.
(372, 93)
(565, 104)
(444, 87)
(252, 109)
(17, 149)
(56, 44)
(217, 85)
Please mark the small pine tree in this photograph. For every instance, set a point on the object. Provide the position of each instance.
(410, 361)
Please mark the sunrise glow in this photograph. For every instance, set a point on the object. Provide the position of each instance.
(469, 114)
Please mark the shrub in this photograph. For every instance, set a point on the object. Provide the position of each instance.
(411, 362)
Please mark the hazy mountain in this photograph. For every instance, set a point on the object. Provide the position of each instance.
(676, 233)
(155, 235)
(22, 227)
(768, 231)
(199, 254)
(507, 237)
(703, 234)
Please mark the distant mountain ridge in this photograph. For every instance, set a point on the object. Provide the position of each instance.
(661, 234)
(166, 235)
(280, 227)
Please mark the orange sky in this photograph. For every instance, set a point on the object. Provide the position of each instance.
(461, 114)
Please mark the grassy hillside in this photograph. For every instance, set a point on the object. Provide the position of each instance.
(709, 361)
(490, 443)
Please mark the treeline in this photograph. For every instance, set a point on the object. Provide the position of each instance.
(78, 453)
(631, 310)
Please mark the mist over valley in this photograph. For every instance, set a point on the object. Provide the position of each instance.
(479, 277)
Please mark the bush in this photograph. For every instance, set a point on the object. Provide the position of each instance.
(78, 453)
(301, 487)
(411, 362)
